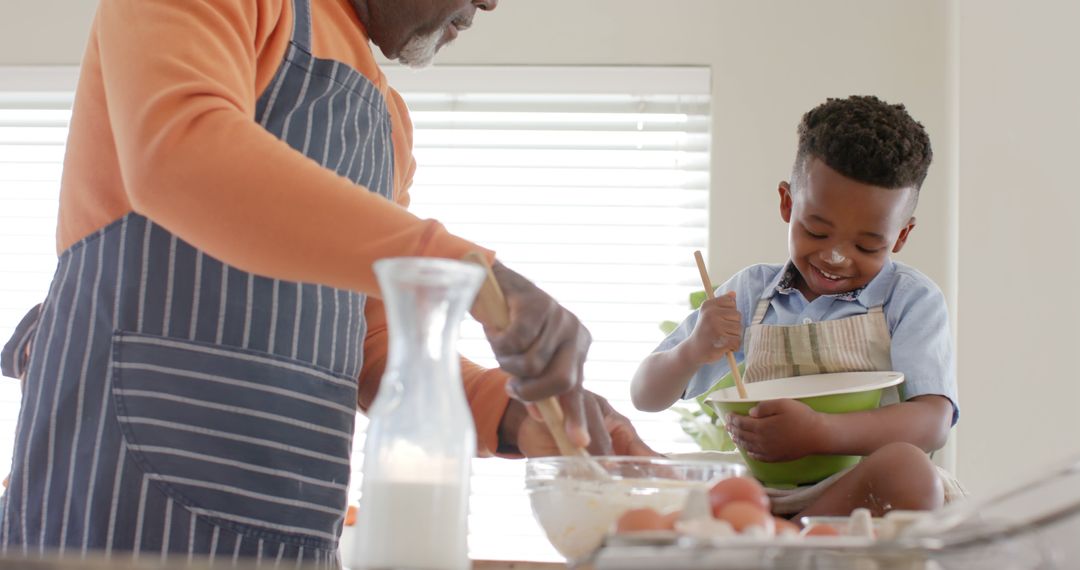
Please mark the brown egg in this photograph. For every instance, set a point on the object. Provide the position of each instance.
(744, 514)
(784, 526)
(640, 519)
(737, 489)
(821, 530)
(670, 519)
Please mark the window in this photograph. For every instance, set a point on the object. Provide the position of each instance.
(593, 182)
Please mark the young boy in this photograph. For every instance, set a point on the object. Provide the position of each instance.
(839, 304)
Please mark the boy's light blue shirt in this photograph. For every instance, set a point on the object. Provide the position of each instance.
(914, 308)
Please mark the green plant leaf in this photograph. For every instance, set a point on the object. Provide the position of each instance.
(696, 299)
(704, 430)
(669, 326)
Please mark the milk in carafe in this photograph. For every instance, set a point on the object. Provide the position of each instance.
(413, 511)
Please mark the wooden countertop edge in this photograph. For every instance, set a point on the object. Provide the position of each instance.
(512, 565)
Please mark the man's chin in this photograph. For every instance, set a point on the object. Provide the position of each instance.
(420, 61)
(416, 64)
(420, 52)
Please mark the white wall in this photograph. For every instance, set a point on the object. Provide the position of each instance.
(1019, 258)
(44, 32)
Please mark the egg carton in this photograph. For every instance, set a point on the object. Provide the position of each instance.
(826, 554)
(1033, 525)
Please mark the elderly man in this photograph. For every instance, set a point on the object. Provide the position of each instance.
(233, 171)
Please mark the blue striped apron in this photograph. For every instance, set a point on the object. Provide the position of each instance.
(175, 405)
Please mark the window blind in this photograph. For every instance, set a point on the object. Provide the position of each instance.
(593, 183)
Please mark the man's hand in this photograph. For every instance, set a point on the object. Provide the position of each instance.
(612, 433)
(544, 349)
(779, 430)
(717, 332)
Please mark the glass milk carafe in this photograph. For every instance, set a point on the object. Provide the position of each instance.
(420, 441)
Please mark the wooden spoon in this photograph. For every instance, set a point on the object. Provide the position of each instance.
(491, 309)
(730, 355)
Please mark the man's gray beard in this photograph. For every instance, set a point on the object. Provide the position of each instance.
(419, 51)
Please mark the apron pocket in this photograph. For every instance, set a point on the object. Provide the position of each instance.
(253, 442)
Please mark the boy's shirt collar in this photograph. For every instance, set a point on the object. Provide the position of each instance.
(869, 295)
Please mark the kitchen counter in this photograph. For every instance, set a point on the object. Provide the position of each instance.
(506, 565)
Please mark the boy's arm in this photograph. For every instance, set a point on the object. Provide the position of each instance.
(922, 349)
(923, 421)
(662, 377)
(785, 430)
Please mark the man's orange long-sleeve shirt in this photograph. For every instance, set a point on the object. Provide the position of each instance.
(163, 125)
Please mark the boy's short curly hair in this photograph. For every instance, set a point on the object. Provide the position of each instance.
(866, 139)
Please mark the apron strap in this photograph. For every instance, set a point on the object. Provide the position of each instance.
(14, 358)
(301, 33)
(760, 310)
(878, 314)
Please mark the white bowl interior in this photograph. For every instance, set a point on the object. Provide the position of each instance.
(810, 386)
(576, 515)
(576, 511)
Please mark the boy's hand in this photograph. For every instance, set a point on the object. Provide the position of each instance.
(779, 430)
(718, 330)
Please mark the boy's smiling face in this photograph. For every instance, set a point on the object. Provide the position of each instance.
(841, 231)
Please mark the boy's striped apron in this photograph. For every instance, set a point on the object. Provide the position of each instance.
(854, 344)
(177, 405)
(860, 343)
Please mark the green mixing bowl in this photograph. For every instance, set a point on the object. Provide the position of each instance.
(830, 393)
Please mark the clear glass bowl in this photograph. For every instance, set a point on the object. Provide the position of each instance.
(576, 508)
